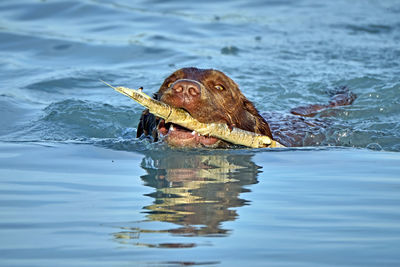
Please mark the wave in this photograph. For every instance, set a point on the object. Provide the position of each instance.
(81, 121)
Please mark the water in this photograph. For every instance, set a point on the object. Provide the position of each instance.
(77, 187)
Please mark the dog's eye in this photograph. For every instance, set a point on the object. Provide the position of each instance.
(219, 87)
(169, 84)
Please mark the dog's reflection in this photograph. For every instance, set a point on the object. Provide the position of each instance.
(197, 191)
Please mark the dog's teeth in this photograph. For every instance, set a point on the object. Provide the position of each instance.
(171, 128)
(194, 132)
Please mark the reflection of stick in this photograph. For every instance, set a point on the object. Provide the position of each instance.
(181, 117)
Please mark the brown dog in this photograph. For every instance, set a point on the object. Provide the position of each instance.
(211, 96)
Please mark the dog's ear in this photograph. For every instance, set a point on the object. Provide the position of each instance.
(147, 125)
(258, 123)
(249, 106)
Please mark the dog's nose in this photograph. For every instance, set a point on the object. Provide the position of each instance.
(190, 87)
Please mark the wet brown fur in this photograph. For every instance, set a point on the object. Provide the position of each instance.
(228, 105)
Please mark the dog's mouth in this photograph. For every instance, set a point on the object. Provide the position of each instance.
(178, 136)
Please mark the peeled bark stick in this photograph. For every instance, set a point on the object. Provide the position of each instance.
(183, 118)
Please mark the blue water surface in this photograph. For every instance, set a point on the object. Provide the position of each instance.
(77, 188)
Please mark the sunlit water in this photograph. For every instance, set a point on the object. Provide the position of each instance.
(77, 187)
